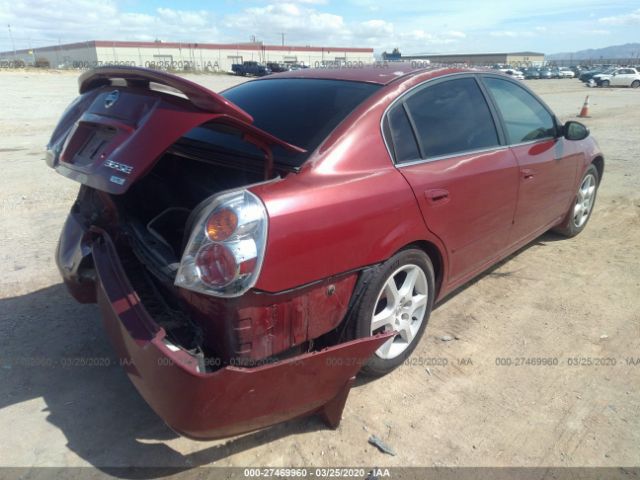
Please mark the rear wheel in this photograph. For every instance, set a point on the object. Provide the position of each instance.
(399, 298)
(635, 84)
(580, 211)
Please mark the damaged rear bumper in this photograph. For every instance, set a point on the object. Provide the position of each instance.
(205, 405)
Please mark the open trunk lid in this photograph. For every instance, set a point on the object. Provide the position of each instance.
(126, 117)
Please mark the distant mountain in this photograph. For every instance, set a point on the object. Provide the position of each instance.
(627, 51)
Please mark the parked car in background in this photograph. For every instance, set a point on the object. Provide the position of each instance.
(566, 72)
(620, 77)
(246, 248)
(577, 70)
(277, 67)
(604, 75)
(250, 68)
(531, 73)
(517, 74)
(545, 73)
(588, 75)
(297, 66)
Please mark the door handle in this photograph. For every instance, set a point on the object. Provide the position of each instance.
(528, 173)
(437, 195)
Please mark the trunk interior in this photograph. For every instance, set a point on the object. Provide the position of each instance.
(160, 209)
(156, 216)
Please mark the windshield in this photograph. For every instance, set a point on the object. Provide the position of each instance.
(300, 111)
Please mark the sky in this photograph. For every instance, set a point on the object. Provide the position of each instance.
(414, 26)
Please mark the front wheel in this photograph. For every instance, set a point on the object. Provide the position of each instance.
(580, 211)
(398, 298)
(604, 83)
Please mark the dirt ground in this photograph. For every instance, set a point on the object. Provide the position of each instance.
(554, 299)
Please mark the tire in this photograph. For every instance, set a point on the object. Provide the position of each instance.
(635, 84)
(412, 312)
(604, 83)
(579, 214)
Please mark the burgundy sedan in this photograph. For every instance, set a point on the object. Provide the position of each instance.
(252, 251)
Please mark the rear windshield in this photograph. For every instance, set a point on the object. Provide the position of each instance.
(300, 111)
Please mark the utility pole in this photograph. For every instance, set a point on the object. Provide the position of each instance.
(282, 35)
(31, 51)
(13, 45)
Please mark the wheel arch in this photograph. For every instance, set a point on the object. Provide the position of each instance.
(436, 257)
(598, 162)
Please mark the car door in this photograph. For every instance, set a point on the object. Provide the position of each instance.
(548, 165)
(447, 145)
(622, 77)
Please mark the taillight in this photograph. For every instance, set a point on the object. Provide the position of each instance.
(216, 265)
(222, 224)
(224, 254)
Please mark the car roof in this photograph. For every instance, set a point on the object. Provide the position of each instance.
(381, 73)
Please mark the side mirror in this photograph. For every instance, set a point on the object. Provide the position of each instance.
(575, 131)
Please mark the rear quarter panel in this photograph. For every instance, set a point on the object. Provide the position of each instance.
(322, 225)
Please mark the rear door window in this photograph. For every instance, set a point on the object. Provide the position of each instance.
(452, 117)
(525, 118)
(404, 141)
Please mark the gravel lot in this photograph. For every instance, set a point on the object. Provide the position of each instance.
(554, 299)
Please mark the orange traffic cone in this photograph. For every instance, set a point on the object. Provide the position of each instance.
(584, 113)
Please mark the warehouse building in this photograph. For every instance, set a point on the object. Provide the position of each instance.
(184, 56)
(516, 59)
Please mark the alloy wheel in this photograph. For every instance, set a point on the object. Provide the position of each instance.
(584, 200)
(400, 306)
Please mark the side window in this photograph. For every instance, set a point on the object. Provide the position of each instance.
(525, 119)
(452, 117)
(404, 142)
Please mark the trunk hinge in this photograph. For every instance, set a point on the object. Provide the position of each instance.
(266, 150)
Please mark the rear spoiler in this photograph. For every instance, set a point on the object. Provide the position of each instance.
(112, 134)
(137, 77)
